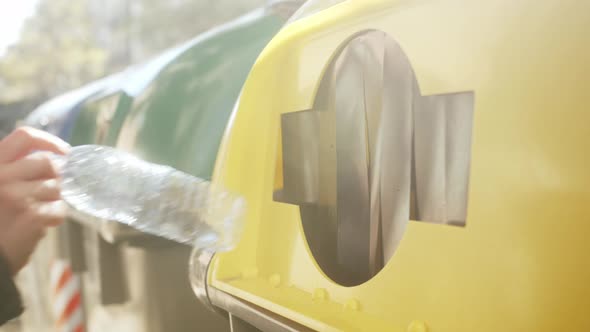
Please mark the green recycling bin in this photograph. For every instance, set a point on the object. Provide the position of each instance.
(171, 110)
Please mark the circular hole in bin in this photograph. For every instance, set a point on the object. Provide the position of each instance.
(345, 161)
(372, 154)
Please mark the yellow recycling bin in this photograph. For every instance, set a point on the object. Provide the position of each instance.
(415, 166)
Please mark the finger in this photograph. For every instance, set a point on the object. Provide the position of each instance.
(46, 191)
(32, 167)
(21, 195)
(52, 214)
(43, 190)
(20, 239)
(25, 140)
(19, 244)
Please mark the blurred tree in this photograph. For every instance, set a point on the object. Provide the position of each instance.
(69, 43)
(133, 30)
(161, 24)
(56, 51)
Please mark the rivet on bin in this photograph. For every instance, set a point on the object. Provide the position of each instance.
(417, 326)
(250, 272)
(320, 294)
(352, 304)
(275, 280)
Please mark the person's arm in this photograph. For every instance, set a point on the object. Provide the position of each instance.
(10, 302)
(29, 191)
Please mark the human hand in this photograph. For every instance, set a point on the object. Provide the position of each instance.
(29, 193)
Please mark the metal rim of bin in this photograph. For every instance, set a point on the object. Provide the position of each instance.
(224, 303)
(199, 263)
(260, 318)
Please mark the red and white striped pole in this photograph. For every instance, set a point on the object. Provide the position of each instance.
(67, 298)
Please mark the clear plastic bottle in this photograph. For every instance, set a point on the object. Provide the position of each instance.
(107, 184)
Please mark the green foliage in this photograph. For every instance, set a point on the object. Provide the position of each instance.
(69, 43)
(56, 52)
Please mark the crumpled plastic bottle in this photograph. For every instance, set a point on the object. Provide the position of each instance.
(102, 183)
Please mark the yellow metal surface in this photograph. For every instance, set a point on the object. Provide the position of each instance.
(521, 263)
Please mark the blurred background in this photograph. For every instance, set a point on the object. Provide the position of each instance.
(48, 47)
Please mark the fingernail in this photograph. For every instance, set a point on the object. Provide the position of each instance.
(57, 208)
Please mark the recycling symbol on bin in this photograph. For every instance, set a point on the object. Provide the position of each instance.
(372, 154)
